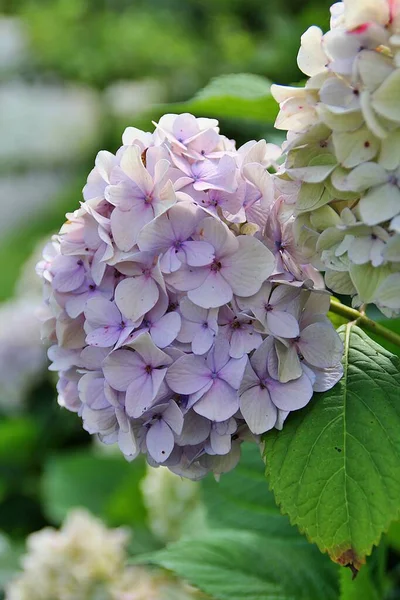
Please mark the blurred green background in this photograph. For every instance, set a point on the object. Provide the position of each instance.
(73, 75)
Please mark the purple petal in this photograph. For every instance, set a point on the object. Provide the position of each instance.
(320, 345)
(160, 441)
(101, 312)
(325, 379)
(121, 367)
(202, 340)
(249, 267)
(220, 402)
(170, 261)
(282, 324)
(292, 395)
(220, 444)
(233, 371)
(126, 225)
(139, 396)
(187, 278)
(195, 430)
(213, 292)
(136, 296)
(166, 329)
(258, 409)
(198, 254)
(149, 352)
(219, 355)
(173, 417)
(188, 374)
(103, 337)
(91, 391)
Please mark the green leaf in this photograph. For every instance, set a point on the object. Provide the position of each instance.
(106, 485)
(360, 588)
(393, 325)
(242, 499)
(242, 565)
(18, 438)
(335, 467)
(241, 96)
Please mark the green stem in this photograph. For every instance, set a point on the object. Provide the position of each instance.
(364, 322)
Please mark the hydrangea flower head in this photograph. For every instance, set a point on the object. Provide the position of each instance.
(170, 285)
(343, 150)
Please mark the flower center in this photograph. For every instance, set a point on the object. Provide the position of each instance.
(216, 265)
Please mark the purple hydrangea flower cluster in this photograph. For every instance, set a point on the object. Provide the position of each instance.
(184, 317)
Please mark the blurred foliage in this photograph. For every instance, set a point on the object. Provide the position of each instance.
(183, 44)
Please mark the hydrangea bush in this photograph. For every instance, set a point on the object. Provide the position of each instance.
(187, 298)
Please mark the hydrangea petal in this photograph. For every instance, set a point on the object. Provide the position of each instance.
(160, 441)
(219, 403)
(258, 410)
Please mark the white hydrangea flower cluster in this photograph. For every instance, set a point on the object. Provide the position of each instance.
(85, 560)
(72, 563)
(343, 150)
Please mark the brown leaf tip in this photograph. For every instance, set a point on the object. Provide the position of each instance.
(349, 559)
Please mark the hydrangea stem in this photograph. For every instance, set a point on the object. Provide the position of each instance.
(363, 321)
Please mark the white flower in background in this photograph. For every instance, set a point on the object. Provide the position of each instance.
(73, 563)
(173, 503)
(343, 148)
(85, 560)
(138, 583)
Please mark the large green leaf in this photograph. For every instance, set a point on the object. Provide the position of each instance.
(242, 499)
(335, 467)
(237, 565)
(106, 485)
